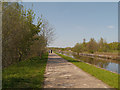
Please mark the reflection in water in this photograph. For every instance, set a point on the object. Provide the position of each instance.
(110, 65)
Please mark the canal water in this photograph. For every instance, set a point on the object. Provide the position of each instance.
(110, 65)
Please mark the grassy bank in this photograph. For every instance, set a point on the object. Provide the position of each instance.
(26, 74)
(108, 77)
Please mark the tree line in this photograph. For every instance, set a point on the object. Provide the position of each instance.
(21, 38)
(93, 46)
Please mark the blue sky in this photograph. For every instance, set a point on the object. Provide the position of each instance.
(74, 21)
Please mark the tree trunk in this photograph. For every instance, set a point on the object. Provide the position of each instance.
(20, 56)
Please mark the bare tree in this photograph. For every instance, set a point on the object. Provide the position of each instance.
(48, 31)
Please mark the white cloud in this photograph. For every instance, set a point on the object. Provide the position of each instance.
(110, 27)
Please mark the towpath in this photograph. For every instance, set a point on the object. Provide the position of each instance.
(62, 74)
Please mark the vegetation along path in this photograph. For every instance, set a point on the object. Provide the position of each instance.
(62, 74)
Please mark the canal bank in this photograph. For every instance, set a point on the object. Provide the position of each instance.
(104, 75)
(99, 55)
(108, 64)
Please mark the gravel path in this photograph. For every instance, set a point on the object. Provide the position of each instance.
(62, 74)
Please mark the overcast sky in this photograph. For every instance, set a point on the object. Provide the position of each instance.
(75, 21)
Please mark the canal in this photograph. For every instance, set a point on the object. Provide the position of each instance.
(110, 65)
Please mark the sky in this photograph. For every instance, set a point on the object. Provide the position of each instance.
(74, 21)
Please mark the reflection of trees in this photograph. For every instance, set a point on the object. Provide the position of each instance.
(105, 64)
(100, 63)
(94, 61)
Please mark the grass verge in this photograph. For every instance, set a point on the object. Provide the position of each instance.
(107, 77)
(25, 74)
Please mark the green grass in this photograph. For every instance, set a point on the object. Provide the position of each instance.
(107, 77)
(25, 74)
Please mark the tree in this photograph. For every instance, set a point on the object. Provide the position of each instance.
(78, 48)
(102, 45)
(92, 45)
(12, 32)
(20, 36)
(48, 31)
(84, 45)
